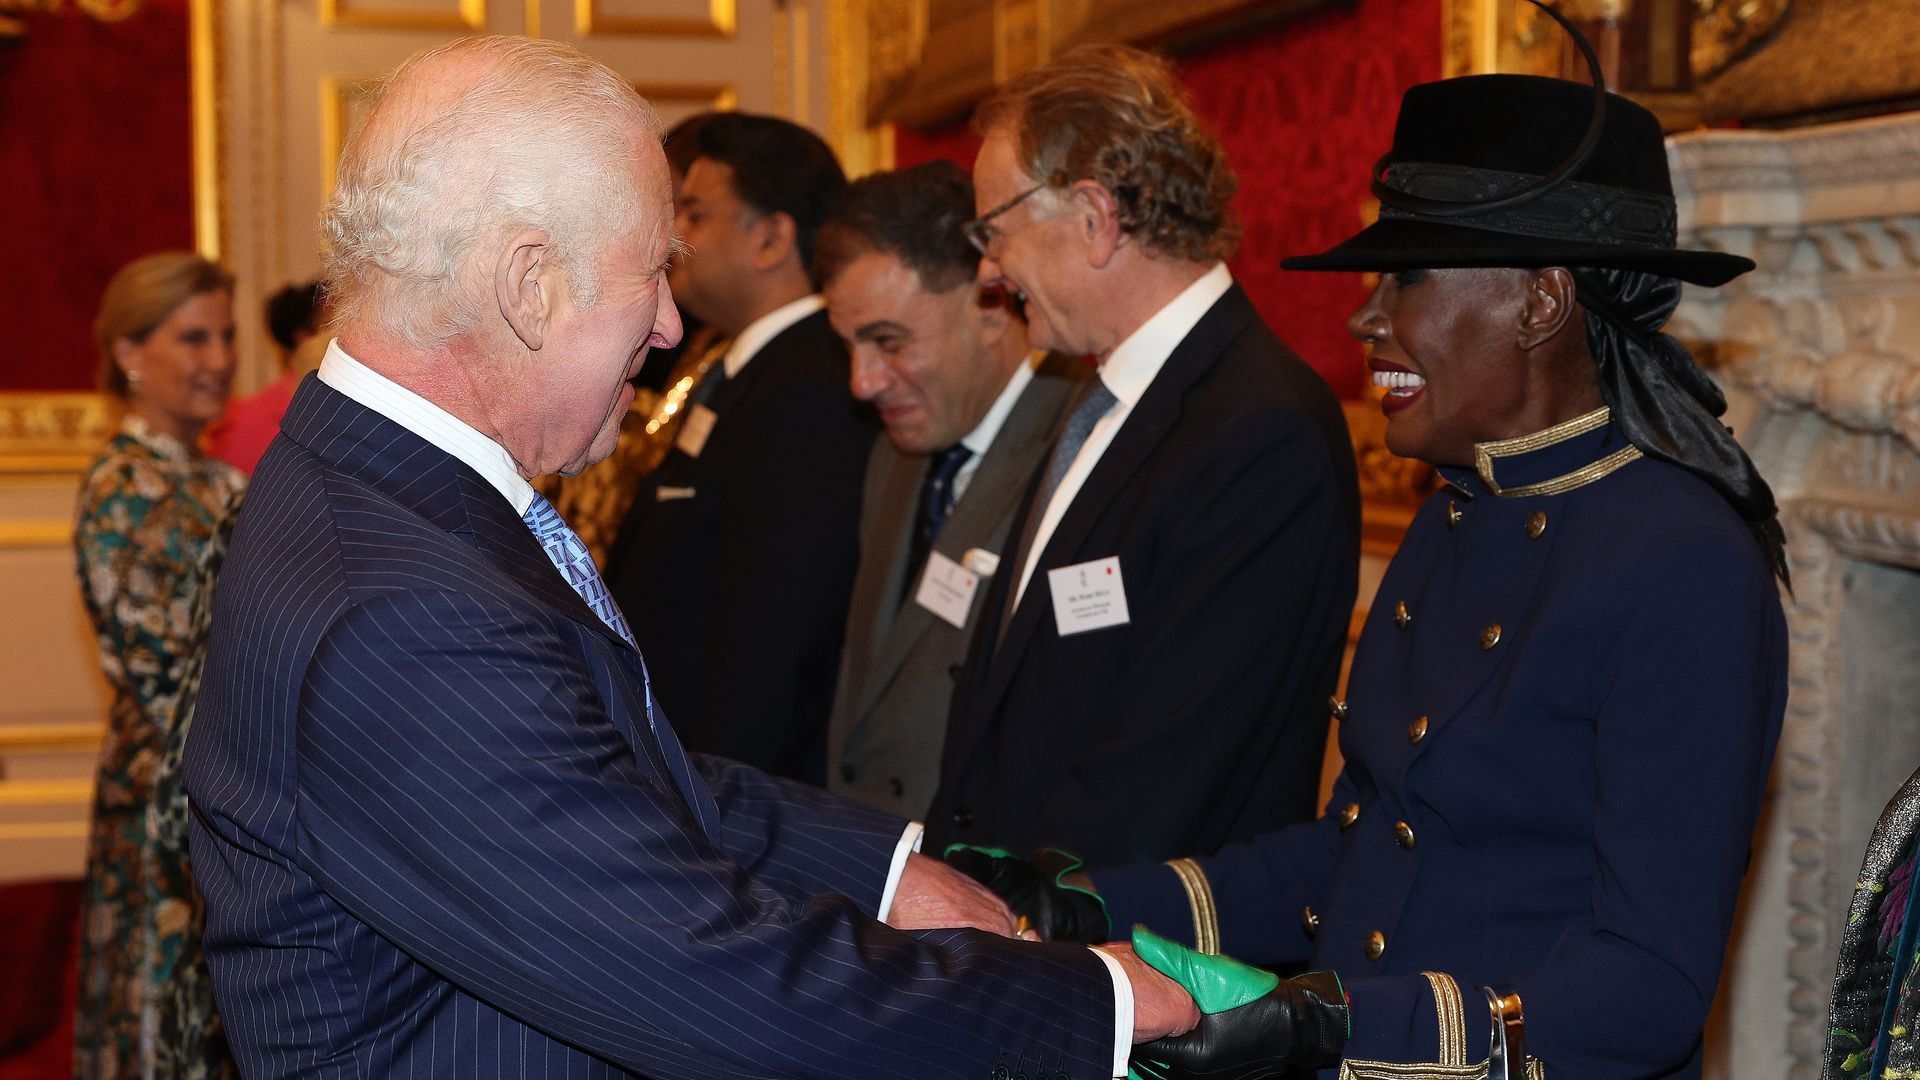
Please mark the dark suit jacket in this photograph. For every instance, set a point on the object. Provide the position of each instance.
(898, 669)
(1229, 497)
(737, 594)
(442, 833)
(1564, 808)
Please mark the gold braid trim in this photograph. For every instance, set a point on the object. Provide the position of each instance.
(1427, 1070)
(1206, 920)
(1485, 453)
(1452, 1016)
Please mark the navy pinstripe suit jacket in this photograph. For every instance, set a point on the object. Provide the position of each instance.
(438, 838)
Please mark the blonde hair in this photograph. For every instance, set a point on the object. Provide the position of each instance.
(1116, 115)
(141, 295)
(545, 139)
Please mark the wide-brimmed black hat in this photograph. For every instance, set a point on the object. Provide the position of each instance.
(1461, 144)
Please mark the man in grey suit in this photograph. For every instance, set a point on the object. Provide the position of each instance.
(969, 409)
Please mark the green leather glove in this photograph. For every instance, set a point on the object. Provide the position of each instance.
(1253, 1023)
(1032, 887)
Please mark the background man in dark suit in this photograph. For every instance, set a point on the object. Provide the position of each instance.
(1180, 594)
(737, 556)
(969, 410)
(442, 826)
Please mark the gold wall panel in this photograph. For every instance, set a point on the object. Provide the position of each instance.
(592, 17)
(463, 15)
(344, 100)
(673, 101)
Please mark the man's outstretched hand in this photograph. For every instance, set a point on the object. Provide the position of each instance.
(932, 895)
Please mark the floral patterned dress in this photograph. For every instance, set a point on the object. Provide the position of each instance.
(148, 508)
(1876, 989)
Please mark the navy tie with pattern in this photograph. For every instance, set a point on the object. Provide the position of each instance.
(936, 506)
(1095, 403)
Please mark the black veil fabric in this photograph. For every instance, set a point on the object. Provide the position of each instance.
(1664, 403)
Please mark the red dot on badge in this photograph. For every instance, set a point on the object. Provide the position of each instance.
(1109, 571)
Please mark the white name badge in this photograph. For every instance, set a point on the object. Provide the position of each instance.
(694, 431)
(946, 589)
(1088, 596)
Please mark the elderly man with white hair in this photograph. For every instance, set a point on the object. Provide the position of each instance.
(441, 826)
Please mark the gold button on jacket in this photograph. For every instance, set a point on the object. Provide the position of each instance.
(1309, 921)
(1403, 834)
(1349, 814)
(1376, 945)
(1417, 730)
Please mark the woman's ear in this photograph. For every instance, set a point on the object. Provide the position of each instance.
(1547, 306)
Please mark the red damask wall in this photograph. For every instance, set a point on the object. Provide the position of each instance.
(95, 169)
(1304, 108)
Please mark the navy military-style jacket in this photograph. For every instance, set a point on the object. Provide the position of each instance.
(1560, 721)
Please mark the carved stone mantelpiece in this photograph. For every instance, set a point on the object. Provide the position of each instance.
(1819, 351)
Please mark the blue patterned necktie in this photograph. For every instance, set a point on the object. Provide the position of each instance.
(570, 557)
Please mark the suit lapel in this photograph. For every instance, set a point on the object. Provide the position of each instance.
(1146, 425)
(430, 482)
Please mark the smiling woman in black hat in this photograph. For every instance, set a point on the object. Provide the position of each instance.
(1569, 690)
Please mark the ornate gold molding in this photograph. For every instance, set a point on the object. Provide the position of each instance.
(468, 15)
(717, 96)
(928, 62)
(862, 147)
(53, 432)
(589, 20)
(337, 96)
(74, 738)
(209, 166)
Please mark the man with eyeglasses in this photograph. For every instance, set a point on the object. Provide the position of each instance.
(736, 560)
(1152, 670)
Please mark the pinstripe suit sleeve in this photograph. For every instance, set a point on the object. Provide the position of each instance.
(463, 791)
(798, 839)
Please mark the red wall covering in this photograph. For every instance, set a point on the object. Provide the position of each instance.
(95, 169)
(1304, 108)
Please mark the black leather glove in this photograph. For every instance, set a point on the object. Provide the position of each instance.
(1032, 887)
(1302, 1022)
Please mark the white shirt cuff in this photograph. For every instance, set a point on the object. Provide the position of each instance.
(909, 843)
(1122, 1013)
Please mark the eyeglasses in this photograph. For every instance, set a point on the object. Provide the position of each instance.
(980, 231)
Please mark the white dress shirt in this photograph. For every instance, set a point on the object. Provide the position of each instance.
(980, 439)
(1128, 370)
(748, 343)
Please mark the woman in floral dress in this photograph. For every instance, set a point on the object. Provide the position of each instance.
(148, 507)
